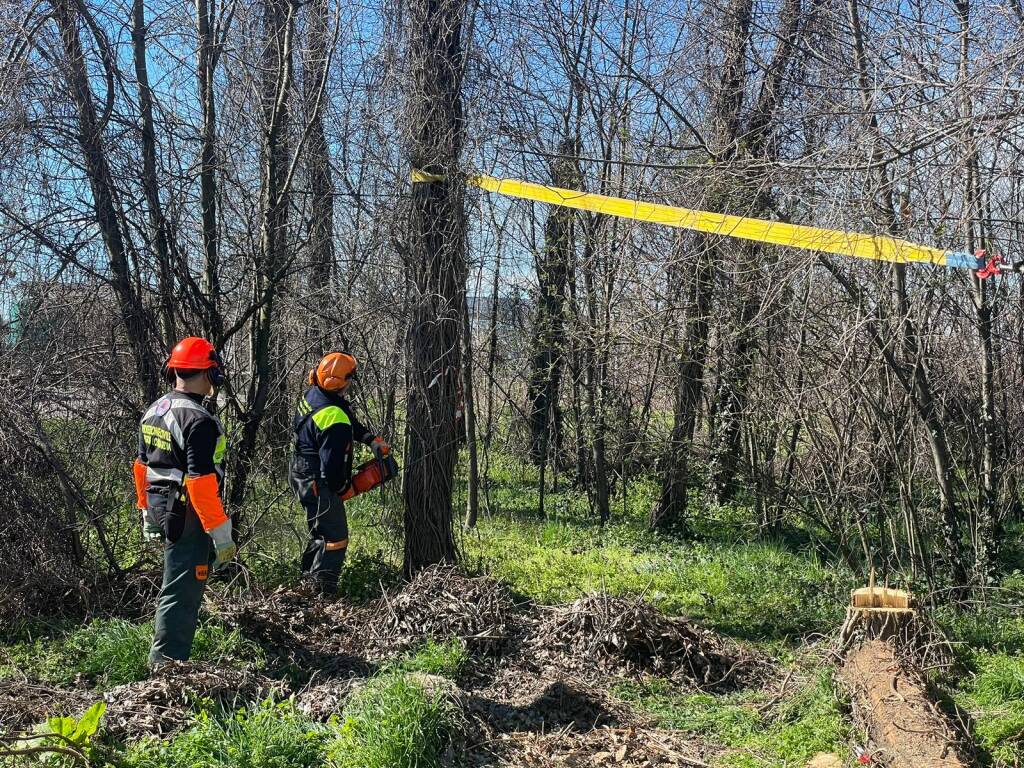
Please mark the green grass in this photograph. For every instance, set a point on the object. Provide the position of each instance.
(267, 736)
(989, 684)
(393, 722)
(807, 721)
(995, 628)
(758, 590)
(110, 652)
(993, 694)
(433, 658)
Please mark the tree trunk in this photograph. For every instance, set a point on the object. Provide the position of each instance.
(469, 412)
(207, 63)
(549, 326)
(592, 378)
(727, 119)
(670, 510)
(437, 274)
(318, 160)
(279, 30)
(985, 528)
(138, 323)
(158, 235)
(492, 361)
(731, 399)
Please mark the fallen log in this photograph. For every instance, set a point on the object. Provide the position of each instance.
(891, 702)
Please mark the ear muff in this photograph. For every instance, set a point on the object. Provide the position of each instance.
(216, 371)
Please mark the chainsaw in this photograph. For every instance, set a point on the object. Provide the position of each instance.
(372, 474)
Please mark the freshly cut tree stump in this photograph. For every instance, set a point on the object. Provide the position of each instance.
(879, 613)
(891, 701)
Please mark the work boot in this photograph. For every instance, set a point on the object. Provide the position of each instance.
(326, 587)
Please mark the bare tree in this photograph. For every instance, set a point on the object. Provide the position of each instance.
(70, 17)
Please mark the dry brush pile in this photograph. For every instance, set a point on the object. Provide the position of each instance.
(442, 603)
(161, 705)
(532, 668)
(629, 635)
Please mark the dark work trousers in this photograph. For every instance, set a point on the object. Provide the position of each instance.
(186, 565)
(327, 525)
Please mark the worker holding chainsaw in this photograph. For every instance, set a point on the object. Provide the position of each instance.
(321, 467)
(178, 485)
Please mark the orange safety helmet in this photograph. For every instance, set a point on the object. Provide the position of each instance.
(195, 354)
(334, 372)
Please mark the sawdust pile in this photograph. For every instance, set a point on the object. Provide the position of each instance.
(441, 603)
(628, 634)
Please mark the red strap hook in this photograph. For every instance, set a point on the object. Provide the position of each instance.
(992, 266)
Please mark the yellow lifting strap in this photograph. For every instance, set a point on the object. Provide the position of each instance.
(875, 247)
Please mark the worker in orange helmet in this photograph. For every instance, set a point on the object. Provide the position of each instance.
(178, 485)
(321, 467)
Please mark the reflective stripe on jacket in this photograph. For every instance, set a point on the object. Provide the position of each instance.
(324, 430)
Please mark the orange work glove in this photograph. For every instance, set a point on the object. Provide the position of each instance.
(151, 530)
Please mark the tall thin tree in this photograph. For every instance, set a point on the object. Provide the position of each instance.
(436, 267)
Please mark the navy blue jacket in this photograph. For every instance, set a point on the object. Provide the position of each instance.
(324, 430)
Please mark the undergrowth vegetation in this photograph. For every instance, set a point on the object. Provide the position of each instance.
(993, 695)
(756, 728)
(774, 595)
(394, 720)
(111, 652)
(267, 736)
(757, 590)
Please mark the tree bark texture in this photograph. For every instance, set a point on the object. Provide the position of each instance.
(553, 266)
(207, 53)
(317, 155)
(437, 276)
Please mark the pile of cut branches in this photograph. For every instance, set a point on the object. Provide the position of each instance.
(628, 634)
(441, 603)
(23, 703)
(164, 703)
(303, 633)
